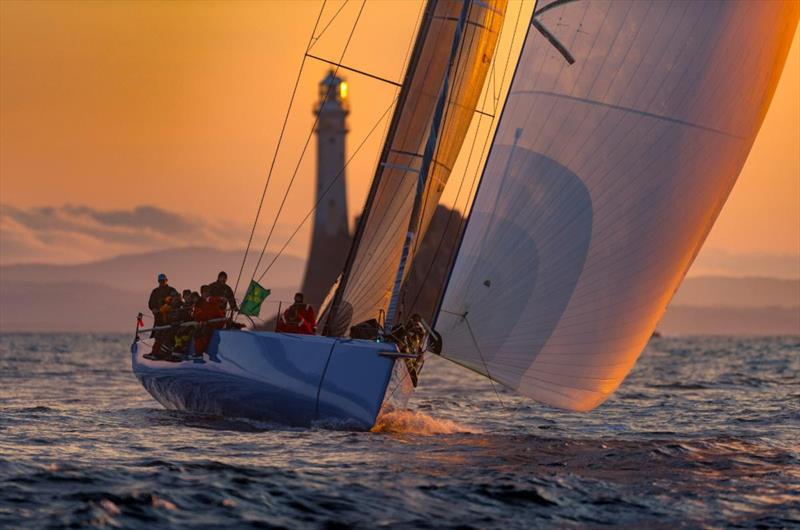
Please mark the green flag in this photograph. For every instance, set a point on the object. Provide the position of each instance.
(251, 305)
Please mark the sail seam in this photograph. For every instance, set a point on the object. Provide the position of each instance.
(628, 109)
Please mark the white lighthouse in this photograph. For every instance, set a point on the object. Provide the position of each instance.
(330, 240)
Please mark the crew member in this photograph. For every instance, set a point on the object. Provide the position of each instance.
(183, 315)
(298, 318)
(158, 296)
(170, 314)
(207, 308)
(222, 289)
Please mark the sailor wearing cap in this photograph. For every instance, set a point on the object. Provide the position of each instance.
(158, 296)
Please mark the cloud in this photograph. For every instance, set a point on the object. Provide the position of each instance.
(79, 233)
(149, 217)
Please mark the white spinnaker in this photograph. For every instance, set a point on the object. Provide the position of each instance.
(604, 179)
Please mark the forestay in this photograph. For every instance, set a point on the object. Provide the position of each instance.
(604, 179)
(368, 283)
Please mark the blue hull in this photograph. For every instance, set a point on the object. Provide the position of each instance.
(296, 380)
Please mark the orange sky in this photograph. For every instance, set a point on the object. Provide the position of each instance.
(113, 105)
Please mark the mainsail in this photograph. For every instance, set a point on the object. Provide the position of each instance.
(626, 126)
(367, 281)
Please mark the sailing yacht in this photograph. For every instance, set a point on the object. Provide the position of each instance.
(624, 128)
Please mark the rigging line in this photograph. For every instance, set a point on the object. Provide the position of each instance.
(410, 65)
(388, 124)
(315, 39)
(330, 186)
(453, 211)
(463, 73)
(421, 286)
(483, 360)
(458, 75)
(409, 48)
(413, 33)
(305, 147)
(492, 77)
(481, 113)
(382, 216)
(550, 6)
(440, 115)
(399, 384)
(498, 90)
(384, 191)
(277, 148)
(464, 221)
(355, 70)
(447, 114)
(403, 69)
(508, 57)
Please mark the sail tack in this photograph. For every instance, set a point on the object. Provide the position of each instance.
(625, 128)
(370, 278)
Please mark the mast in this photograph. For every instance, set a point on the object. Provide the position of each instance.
(362, 222)
(441, 93)
(457, 249)
(427, 157)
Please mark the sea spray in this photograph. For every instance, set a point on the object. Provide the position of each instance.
(414, 422)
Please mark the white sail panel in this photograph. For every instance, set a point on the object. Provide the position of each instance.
(369, 283)
(624, 131)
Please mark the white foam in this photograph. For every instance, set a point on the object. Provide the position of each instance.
(415, 422)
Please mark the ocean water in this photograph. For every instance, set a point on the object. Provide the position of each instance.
(704, 433)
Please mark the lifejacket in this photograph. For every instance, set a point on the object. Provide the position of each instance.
(166, 313)
(298, 318)
(208, 308)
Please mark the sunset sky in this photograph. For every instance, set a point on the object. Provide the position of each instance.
(108, 107)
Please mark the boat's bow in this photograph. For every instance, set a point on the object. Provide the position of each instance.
(290, 379)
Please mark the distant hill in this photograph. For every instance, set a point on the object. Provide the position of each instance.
(186, 268)
(106, 295)
(715, 305)
(715, 262)
(718, 291)
(693, 320)
(74, 306)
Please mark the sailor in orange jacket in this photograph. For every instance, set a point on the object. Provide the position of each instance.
(298, 318)
(207, 308)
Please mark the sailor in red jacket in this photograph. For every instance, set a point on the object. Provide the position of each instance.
(298, 318)
(207, 308)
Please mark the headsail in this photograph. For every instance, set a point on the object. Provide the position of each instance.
(625, 128)
(367, 282)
